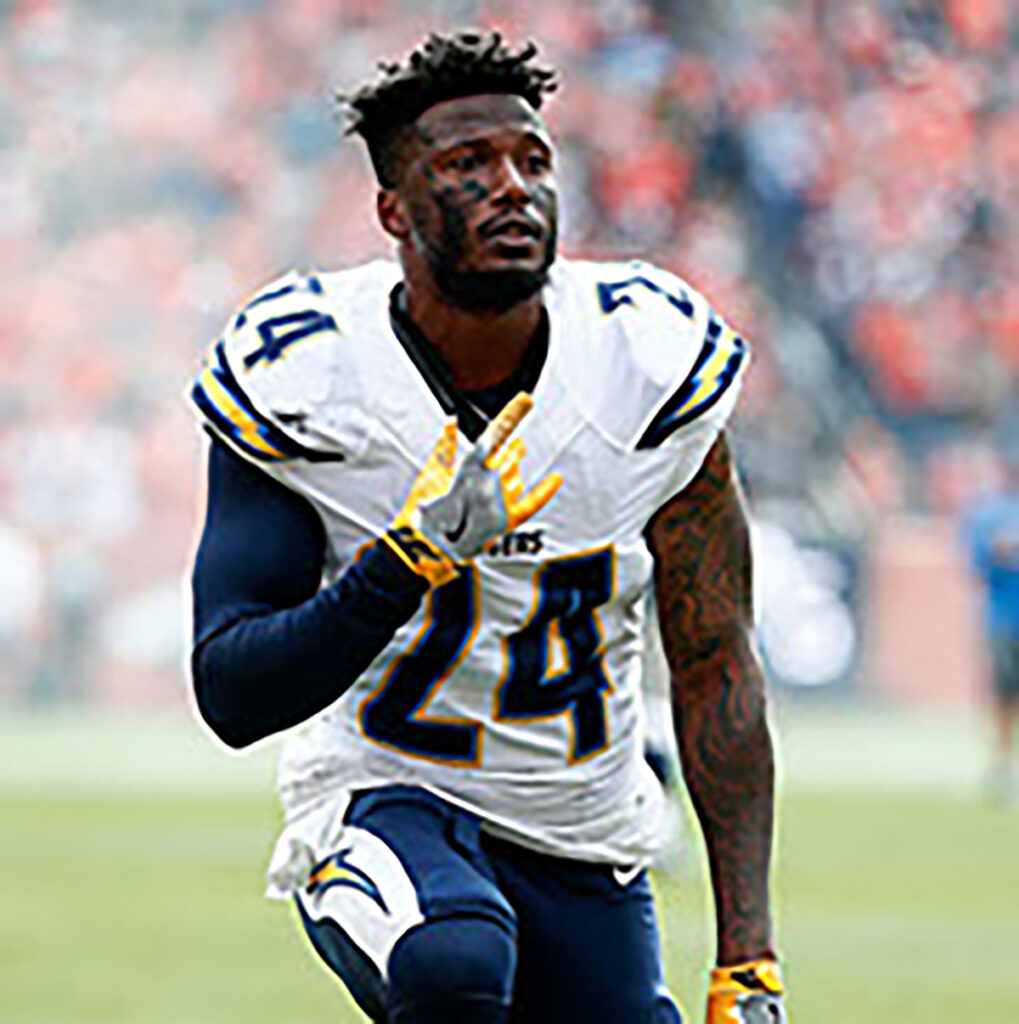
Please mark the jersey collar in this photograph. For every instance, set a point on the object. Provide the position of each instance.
(472, 409)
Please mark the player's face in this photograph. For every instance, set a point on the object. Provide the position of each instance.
(481, 198)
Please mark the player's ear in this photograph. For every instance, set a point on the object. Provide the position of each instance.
(392, 214)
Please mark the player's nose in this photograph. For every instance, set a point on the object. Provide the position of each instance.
(509, 185)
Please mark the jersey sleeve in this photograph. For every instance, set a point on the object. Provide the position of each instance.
(259, 387)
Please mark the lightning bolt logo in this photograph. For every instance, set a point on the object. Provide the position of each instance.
(337, 871)
(722, 358)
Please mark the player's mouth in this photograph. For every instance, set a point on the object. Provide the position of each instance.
(514, 229)
(516, 238)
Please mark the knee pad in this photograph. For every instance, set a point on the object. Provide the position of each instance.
(455, 969)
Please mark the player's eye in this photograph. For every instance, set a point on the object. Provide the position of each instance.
(538, 162)
(466, 162)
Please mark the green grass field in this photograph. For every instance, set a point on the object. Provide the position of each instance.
(136, 896)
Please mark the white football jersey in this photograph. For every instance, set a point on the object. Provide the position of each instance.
(514, 691)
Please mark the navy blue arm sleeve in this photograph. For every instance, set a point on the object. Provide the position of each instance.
(270, 648)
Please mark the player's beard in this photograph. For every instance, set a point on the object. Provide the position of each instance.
(482, 291)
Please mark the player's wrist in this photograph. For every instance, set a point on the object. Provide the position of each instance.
(418, 554)
(747, 940)
(389, 576)
(767, 965)
(734, 956)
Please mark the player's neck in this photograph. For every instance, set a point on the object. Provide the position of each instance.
(481, 349)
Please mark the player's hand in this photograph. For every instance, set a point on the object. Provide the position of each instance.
(451, 514)
(750, 993)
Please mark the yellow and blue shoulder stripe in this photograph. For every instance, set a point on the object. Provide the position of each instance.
(722, 357)
(232, 415)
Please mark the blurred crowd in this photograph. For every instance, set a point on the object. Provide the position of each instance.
(841, 178)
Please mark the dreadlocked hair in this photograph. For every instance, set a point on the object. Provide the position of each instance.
(441, 68)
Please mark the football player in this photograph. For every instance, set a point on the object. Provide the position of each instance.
(992, 538)
(438, 491)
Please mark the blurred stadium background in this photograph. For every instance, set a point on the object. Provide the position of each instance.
(841, 178)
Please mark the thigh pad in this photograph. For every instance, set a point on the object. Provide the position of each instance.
(403, 857)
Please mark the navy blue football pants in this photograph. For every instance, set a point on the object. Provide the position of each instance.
(499, 934)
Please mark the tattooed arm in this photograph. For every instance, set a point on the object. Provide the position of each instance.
(701, 545)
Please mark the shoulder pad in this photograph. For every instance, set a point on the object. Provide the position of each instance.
(265, 380)
(677, 354)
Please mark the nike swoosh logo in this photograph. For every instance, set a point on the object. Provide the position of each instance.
(455, 534)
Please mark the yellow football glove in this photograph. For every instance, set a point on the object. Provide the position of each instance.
(451, 514)
(750, 993)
